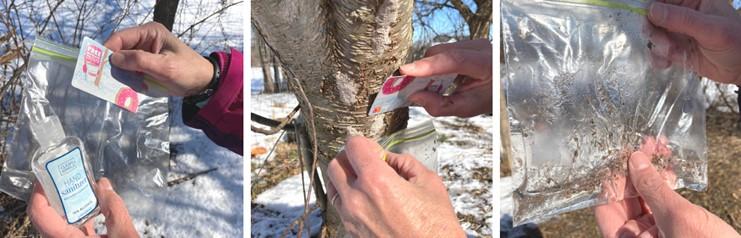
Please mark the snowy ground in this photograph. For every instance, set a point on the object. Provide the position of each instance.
(211, 205)
(465, 158)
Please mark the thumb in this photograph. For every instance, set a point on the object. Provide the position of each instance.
(117, 219)
(139, 61)
(406, 166)
(703, 28)
(659, 197)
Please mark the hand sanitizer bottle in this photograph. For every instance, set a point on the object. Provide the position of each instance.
(63, 169)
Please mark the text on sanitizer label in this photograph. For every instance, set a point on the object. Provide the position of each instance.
(67, 172)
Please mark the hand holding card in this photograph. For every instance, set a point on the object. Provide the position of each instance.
(95, 75)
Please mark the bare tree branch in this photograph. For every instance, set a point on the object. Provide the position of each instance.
(207, 17)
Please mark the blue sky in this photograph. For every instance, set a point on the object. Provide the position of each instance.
(443, 21)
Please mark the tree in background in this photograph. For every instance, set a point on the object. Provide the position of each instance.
(68, 22)
(475, 13)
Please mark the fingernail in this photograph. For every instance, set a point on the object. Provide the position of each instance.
(657, 13)
(116, 58)
(639, 161)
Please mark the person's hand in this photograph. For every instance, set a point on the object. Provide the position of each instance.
(397, 198)
(51, 224)
(469, 58)
(659, 211)
(713, 48)
(153, 50)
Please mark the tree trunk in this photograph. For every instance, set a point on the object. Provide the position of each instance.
(276, 74)
(336, 55)
(164, 12)
(478, 22)
(267, 78)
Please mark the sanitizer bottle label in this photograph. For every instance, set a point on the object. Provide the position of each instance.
(67, 172)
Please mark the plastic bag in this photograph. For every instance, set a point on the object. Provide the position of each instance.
(130, 149)
(582, 95)
(420, 141)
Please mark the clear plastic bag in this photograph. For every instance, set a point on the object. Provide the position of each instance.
(131, 149)
(420, 141)
(582, 95)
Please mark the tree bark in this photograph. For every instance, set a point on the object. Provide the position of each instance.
(336, 55)
(165, 11)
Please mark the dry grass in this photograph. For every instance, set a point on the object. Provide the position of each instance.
(284, 164)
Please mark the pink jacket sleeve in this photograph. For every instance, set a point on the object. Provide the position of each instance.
(221, 118)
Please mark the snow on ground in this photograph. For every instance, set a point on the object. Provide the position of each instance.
(465, 161)
(211, 205)
(281, 205)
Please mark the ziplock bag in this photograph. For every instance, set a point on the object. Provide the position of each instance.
(420, 141)
(582, 96)
(130, 149)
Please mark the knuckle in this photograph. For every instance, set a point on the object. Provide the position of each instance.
(370, 181)
(169, 70)
(373, 186)
(157, 25)
(351, 203)
(139, 59)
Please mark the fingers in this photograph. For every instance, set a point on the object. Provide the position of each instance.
(148, 37)
(87, 228)
(117, 219)
(463, 104)
(37, 204)
(46, 220)
(365, 156)
(340, 175)
(472, 63)
(705, 29)
(651, 146)
(139, 61)
(405, 165)
(610, 217)
(652, 231)
(634, 227)
(483, 45)
(333, 195)
(652, 187)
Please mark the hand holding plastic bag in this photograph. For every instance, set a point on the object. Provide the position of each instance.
(582, 94)
(659, 209)
(713, 48)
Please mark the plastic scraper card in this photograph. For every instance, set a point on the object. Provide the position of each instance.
(95, 75)
(396, 90)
